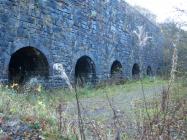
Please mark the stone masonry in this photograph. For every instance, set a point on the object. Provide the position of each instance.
(66, 30)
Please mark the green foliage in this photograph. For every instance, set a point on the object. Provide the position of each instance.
(40, 110)
(173, 34)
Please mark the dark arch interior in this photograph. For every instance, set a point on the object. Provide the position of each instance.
(158, 71)
(85, 71)
(26, 63)
(136, 71)
(149, 71)
(116, 69)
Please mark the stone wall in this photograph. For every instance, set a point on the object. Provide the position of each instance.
(65, 30)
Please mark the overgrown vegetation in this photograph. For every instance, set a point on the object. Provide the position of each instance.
(150, 108)
(53, 113)
(173, 33)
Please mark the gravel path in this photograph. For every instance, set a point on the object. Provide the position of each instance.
(98, 107)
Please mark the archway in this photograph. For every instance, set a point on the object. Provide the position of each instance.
(158, 72)
(116, 69)
(149, 71)
(26, 63)
(136, 71)
(85, 72)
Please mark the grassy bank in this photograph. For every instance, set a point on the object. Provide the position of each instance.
(40, 109)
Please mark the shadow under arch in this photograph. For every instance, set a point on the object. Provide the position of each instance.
(149, 71)
(116, 69)
(116, 72)
(85, 71)
(135, 71)
(26, 63)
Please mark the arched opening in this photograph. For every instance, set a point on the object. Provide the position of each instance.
(149, 71)
(136, 71)
(85, 73)
(26, 63)
(158, 72)
(116, 70)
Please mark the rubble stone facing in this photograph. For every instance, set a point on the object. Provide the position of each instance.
(65, 30)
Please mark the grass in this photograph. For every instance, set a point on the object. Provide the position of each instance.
(38, 109)
(112, 90)
(167, 122)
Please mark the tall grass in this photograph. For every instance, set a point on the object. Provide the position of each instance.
(48, 109)
(161, 117)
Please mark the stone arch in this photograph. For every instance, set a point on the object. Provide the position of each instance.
(116, 72)
(116, 69)
(85, 71)
(158, 71)
(25, 63)
(136, 71)
(149, 71)
(21, 43)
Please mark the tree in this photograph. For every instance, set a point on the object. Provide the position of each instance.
(175, 37)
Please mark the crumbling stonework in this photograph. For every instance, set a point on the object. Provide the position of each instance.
(66, 30)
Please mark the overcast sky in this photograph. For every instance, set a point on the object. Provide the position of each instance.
(163, 9)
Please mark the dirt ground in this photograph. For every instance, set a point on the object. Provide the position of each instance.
(98, 108)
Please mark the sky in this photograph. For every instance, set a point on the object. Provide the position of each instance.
(163, 9)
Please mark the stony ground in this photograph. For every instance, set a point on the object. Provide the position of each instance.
(15, 129)
(98, 107)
